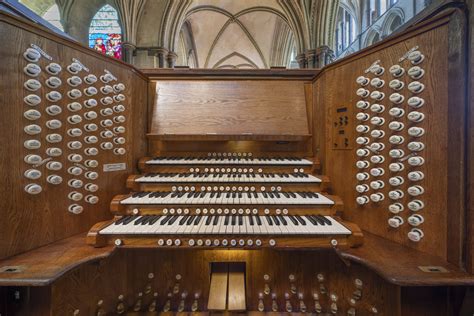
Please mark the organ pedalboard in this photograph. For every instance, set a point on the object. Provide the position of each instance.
(226, 200)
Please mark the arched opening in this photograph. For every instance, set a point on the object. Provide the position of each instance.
(52, 16)
(346, 30)
(396, 23)
(105, 33)
(375, 39)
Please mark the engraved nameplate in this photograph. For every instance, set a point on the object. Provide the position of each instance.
(115, 167)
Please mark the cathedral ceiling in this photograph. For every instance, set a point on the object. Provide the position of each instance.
(234, 34)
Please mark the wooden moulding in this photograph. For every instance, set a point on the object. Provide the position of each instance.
(44, 265)
(283, 243)
(230, 74)
(224, 137)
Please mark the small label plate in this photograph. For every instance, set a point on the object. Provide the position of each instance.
(115, 167)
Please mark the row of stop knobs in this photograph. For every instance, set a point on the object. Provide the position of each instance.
(208, 242)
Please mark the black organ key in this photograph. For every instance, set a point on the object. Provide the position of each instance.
(121, 220)
(154, 219)
(301, 220)
(282, 219)
(319, 220)
(138, 220)
(312, 220)
(269, 220)
(165, 220)
(276, 220)
(182, 221)
(293, 220)
(173, 219)
(198, 220)
(190, 220)
(327, 221)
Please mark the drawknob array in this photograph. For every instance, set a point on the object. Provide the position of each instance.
(392, 144)
(70, 117)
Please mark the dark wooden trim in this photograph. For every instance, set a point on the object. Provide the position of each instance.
(470, 145)
(220, 74)
(456, 164)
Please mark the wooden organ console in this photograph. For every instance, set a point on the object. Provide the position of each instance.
(335, 191)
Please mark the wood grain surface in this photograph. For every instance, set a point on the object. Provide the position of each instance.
(30, 221)
(443, 180)
(230, 108)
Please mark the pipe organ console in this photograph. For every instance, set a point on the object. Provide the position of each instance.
(334, 191)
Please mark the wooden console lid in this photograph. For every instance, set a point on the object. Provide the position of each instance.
(231, 107)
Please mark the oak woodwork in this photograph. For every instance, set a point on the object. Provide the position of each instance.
(230, 108)
(443, 179)
(30, 221)
(47, 264)
(218, 290)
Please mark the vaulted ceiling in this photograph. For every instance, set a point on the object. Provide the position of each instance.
(237, 34)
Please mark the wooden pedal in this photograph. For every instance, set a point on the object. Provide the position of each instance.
(218, 289)
(236, 296)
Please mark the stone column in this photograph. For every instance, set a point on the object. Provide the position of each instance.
(311, 58)
(128, 51)
(324, 56)
(171, 59)
(301, 60)
(161, 53)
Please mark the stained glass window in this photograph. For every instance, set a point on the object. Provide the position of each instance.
(105, 34)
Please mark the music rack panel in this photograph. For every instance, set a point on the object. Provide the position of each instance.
(230, 108)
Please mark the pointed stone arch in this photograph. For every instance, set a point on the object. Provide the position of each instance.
(227, 57)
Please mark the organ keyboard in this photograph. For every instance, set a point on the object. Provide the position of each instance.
(296, 177)
(228, 197)
(227, 224)
(226, 200)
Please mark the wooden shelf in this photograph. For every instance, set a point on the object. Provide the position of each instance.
(221, 137)
(400, 265)
(44, 265)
